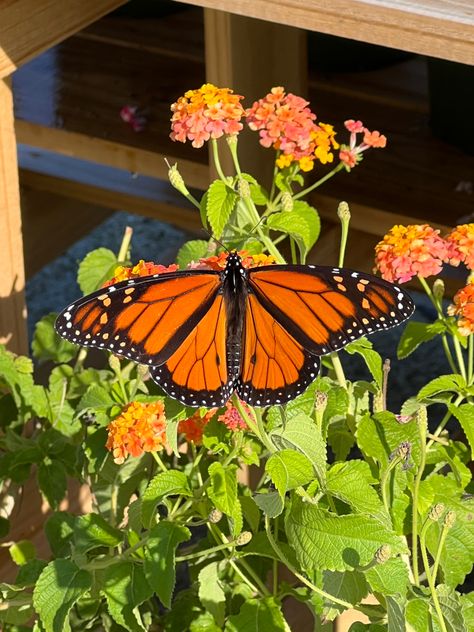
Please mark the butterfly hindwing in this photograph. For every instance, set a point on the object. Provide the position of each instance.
(326, 308)
(197, 372)
(275, 367)
(145, 319)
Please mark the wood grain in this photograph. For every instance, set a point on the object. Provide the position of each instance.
(439, 28)
(12, 279)
(28, 27)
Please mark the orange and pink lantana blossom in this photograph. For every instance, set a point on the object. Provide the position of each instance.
(208, 112)
(218, 262)
(408, 251)
(193, 427)
(350, 155)
(463, 308)
(461, 245)
(141, 269)
(233, 419)
(139, 428)
(285, 122)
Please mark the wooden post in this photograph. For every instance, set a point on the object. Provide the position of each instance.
(251, 57)
(12, 279)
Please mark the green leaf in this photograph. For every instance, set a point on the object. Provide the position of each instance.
(92, 531)
(350, 586)
(159, 564)
(59, 529)
(271, 504)
(16, 372)
(258, 615)
(465, 415)
(29, 573)
(52, 481)
(395, 613)
(389, 578)
(349, 482)
(203, 210)
(302, 434)
(444, 383)
(164, 484)
(363, 347)
(223, 493)
(4, 527)
(97, 400)
(327, 541)
(451, 609)
(211, 594)
(58, 588)
(302, 223)
(22, 552)
(289, 469)
(221, 200)
(95, 269)
(205, 622)
(60, 412)
(125, 587)
(48, 345)
(415, 334)
(191, 251)
(417, 615)
(467, 603)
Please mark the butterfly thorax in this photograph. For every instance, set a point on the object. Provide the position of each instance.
(235, 290)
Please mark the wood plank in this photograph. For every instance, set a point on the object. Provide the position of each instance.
(187, 218)
(273, 54)
(110, 153)
(28, 27)
(439, 28)
(12, 280)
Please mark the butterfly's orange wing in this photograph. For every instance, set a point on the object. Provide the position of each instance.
(197, 372)
(145, 319)
(326, 308)
(274, 367)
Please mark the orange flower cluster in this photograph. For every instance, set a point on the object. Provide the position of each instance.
(139, 428)
(285, 122)
(461, 245)
(463, 308)
(408, 251)
(193, 427)
(350, 155)
(218, 262)
(141, 269)
(208, 112)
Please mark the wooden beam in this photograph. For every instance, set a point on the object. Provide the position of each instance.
(109, 153)
(251, 56)
(28, 27)
(439, 28)
(186, 218)
(12, 279)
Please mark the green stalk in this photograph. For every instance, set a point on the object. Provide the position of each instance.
(443, 422)
(429, 577)
(125, 245)
(470, 360)
(459, 356)
(217, 162)
(258, 429)
(315, 185)
(442, 540)
(415, 496)
(160, 463)
(336, 363)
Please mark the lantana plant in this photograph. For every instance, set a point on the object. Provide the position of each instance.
(228, 519)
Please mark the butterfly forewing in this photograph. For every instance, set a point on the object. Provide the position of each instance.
(197, 373)
(327, 308)
(144, 319)
(275, 367)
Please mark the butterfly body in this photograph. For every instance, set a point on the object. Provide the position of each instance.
(257, 331)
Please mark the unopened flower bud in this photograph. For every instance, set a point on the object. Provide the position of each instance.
(436, 512)
(286, 201)
(114, 363)
(383, 554)
(243, 188)
(320, 401)
(343, 212)
(143, 371)
(402, 453)
(450, 519)
(378, 402)
(215, 516)
(438, 289)
(176, 180)
(422, 420)
(244, 538)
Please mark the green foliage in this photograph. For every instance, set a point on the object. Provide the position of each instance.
(97, 267)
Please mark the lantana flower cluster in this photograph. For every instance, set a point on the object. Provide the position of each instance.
(420, 250)
(283, 120)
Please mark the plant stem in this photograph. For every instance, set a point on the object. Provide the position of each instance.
(302, 578)
(315, 185)
(448, 353)
(470, 360)
(459, 356)
(213, 549)
(443, 422)
(217, 162)
(125, 245)
(339, 371)
(259, 428)
(429, 577)
(161, 465)
(442, 540)
(415, 496)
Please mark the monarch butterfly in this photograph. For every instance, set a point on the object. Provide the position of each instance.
(259, 331)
